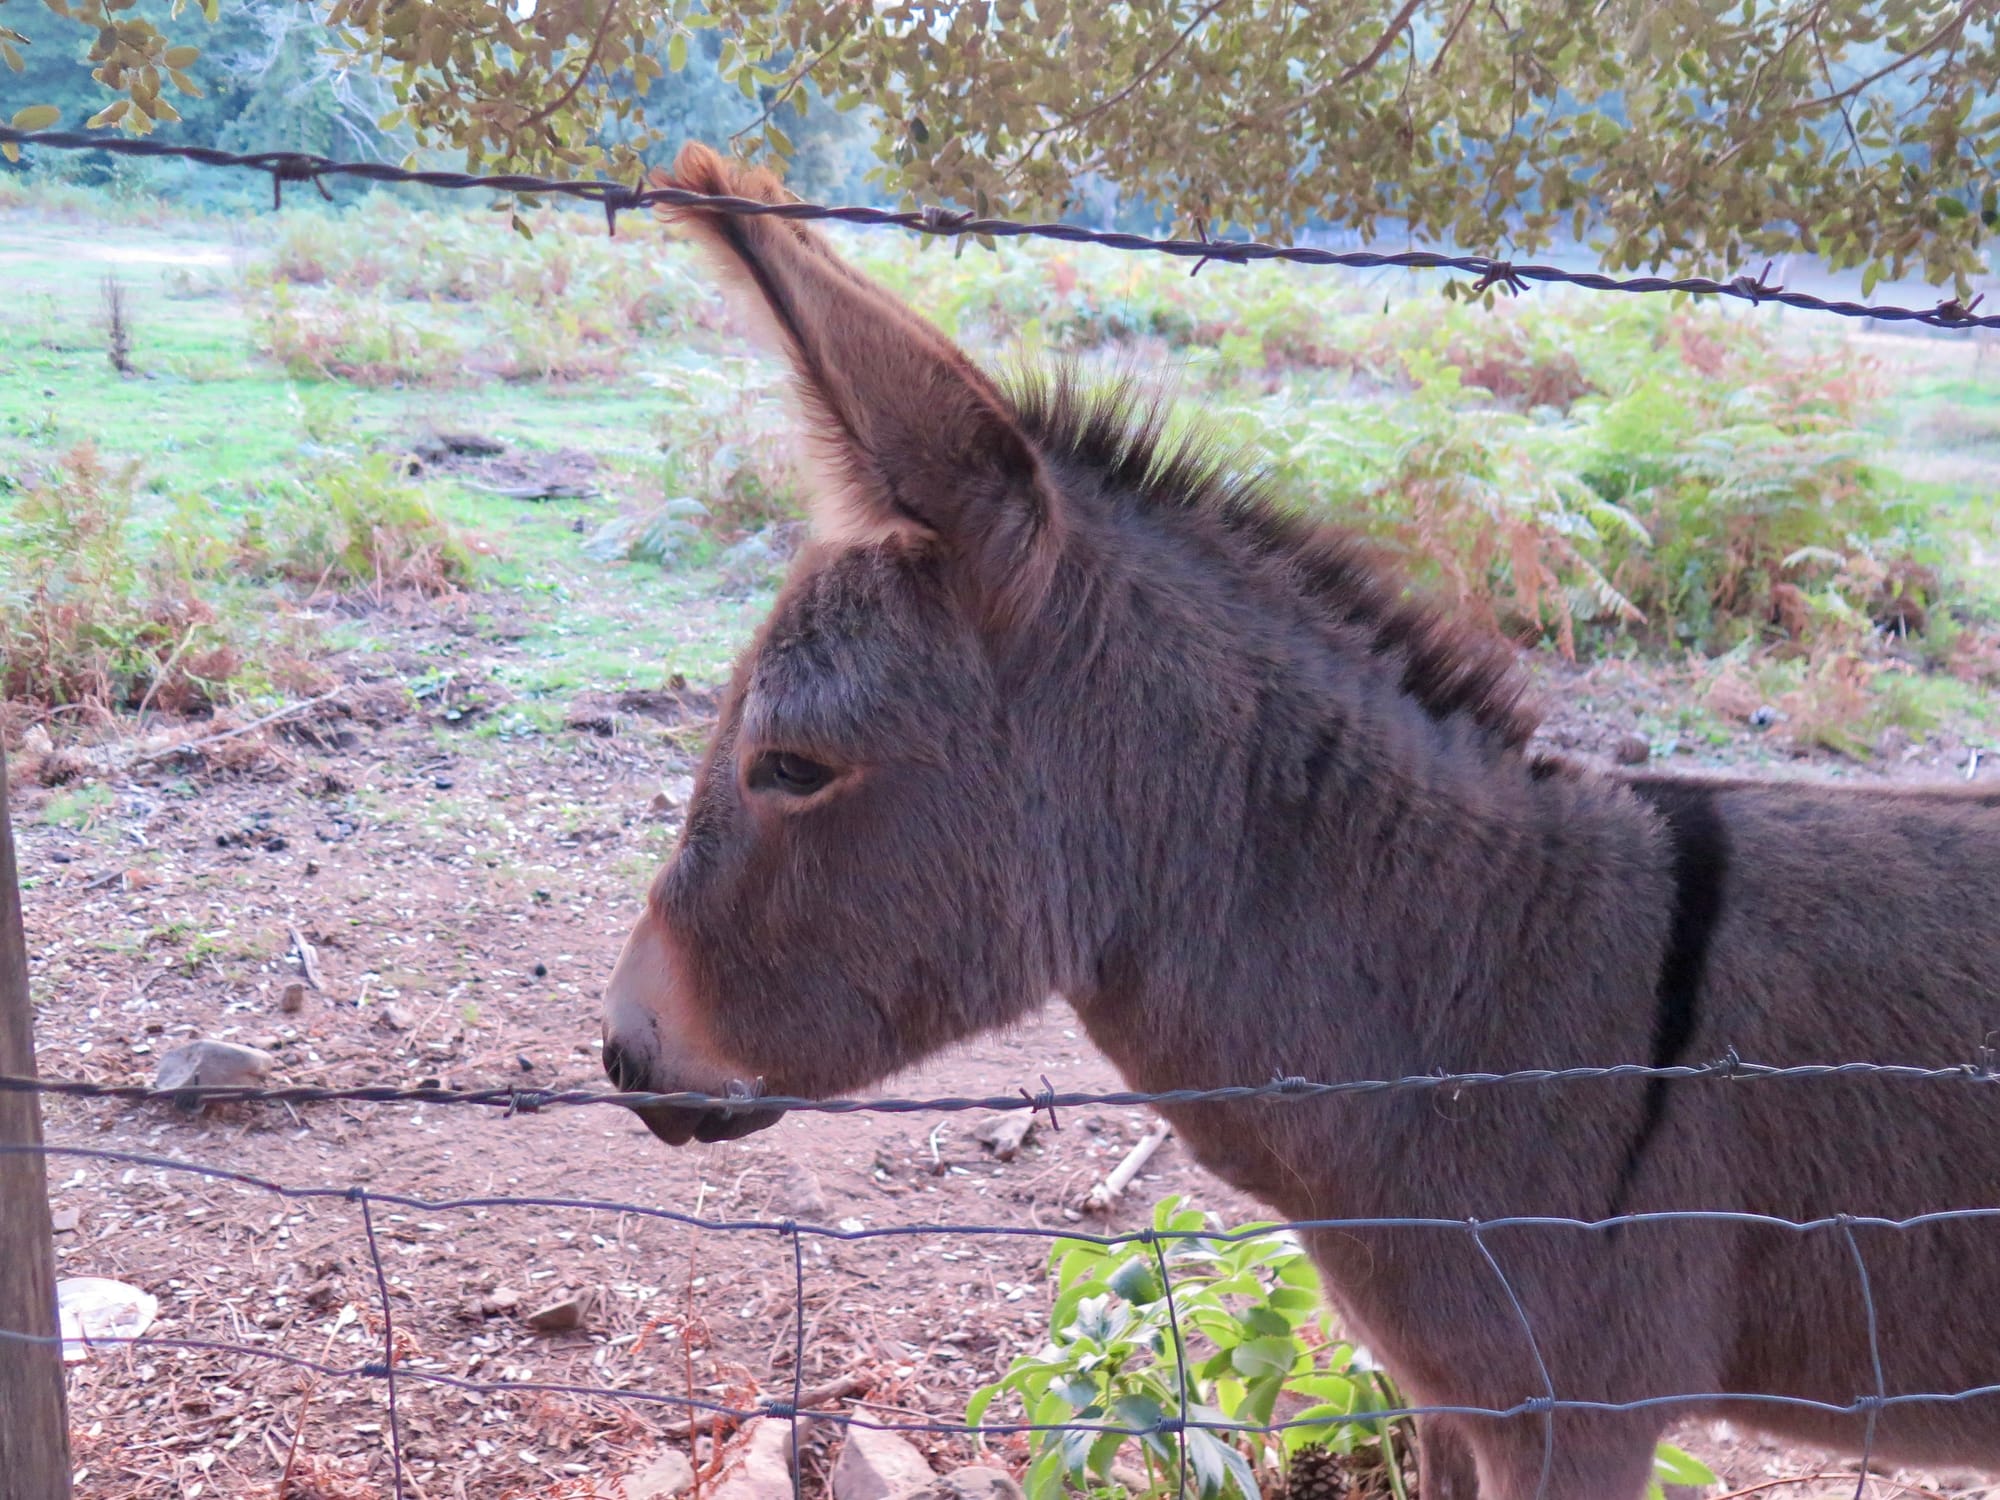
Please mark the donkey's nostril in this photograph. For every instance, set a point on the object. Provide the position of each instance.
(623, 1069)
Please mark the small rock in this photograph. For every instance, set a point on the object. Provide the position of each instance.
(502, 1302)
(980, 1482)
(292, 998)
(1004, 1135)
(667, 1475)
(765, 1470)
(565, 1316)
(798, 1193)
(208, 1064)
(541, 971)
(396, 1018)
(65, 1220)
(879, 1466)
(1632, 750)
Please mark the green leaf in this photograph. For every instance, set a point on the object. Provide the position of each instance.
(1266, 1322)
(677, 51)
(1265, 1356)
(1136, 1281)
(1673, 1465)
(36, 117)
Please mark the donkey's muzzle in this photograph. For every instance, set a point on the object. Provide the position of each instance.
(677, 1124)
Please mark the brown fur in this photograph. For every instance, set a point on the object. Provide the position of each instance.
(1099, 721)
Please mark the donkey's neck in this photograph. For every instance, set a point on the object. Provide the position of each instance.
(1340, 886)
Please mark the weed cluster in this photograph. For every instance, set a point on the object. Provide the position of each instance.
(356, 528)
(108, 605)
(90, 616)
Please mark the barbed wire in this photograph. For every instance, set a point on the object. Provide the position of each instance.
(514, 1099)
(615, 197)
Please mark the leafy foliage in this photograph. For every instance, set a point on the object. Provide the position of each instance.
(1680, 134)
(1243, 1331)
(1243, 1343)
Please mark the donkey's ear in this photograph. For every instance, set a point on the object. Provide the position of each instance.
(907, 434)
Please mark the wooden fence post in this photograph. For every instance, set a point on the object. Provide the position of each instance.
(34, 1420)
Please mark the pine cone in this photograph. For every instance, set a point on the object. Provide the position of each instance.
(1316, 1473)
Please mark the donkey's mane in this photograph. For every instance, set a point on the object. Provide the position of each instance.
(1451, 666)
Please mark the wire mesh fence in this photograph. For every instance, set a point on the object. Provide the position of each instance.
(395, 1372)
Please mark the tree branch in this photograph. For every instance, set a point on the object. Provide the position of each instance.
(562, 101)
(1396, 27)
(1145, 76)
(799, 74)
(1398, 24)
(1943, 34)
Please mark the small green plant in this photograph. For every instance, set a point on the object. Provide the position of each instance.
(77, 807)
(1241, 1340)
(1243, 1332)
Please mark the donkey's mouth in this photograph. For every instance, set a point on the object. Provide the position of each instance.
(677, 1124)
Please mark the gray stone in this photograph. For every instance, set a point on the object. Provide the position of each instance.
(562, 1316)
(880, 1466)
(670, 1473)
(764, 1471)
(798, 1193)
(1004, 1135)
(213, 1065)
(979, 1482)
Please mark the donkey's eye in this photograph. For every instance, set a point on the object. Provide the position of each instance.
(794, 775)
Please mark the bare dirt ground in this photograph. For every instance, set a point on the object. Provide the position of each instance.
(465, 896)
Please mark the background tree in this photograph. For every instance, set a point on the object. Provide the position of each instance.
(1697, 134)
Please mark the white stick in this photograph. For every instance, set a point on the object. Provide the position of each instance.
(1106, 1192)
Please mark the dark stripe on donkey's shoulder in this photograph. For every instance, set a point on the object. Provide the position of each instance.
(1700, 847)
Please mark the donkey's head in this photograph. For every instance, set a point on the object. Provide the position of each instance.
(856, 882)
(1045, 706)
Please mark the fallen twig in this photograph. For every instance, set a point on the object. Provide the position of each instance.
(308, 959)
(1101, 1197)
(186, 746)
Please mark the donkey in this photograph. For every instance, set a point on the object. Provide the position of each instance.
(1049, 704)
